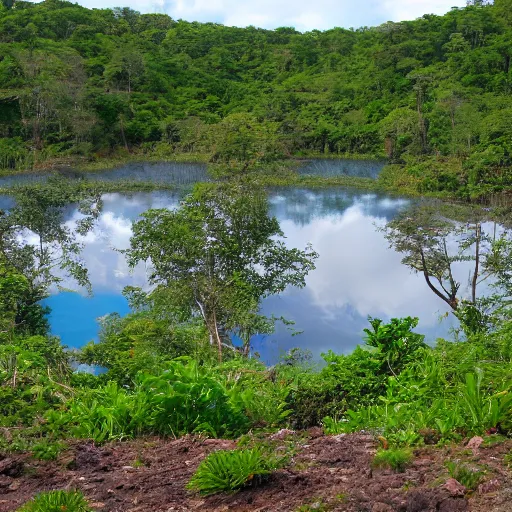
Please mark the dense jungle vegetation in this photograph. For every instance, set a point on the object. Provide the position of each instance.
(432, 95)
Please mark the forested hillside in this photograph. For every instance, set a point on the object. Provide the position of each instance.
(434, 93)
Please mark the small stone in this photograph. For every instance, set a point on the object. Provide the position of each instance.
(282, 434)
(474, 443)
(5, 481)
(128, 468)
(422, 463)
(14, 486)
(490, 486)
(454, 488)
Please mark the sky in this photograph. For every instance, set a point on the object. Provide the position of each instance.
(301, 14)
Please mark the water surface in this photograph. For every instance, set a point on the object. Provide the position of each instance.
(357, 273)
(155, 172)
(342, 167)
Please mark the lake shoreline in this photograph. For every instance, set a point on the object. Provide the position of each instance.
(282, 173)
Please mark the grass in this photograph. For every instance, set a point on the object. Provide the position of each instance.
(465, 475)
(104, 187)
(397, 459)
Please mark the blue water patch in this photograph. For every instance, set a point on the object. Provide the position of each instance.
(74, 317)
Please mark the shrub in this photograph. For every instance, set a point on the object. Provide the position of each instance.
(396, 459)
(357, 380)
(57, 501)
(226, 470)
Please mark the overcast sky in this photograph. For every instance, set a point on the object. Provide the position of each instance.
(301, 14)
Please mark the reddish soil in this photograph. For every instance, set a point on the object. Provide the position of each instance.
(326, 473)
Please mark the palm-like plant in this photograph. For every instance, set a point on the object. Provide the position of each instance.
(226, 470)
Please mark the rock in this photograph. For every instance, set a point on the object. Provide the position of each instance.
(454, 488)
(474, 443)
(418, 501)
(490, 486)
(454, 505)
(282, 434)
(382, 507)
(11, 467)
(315, 432)
(128, 468)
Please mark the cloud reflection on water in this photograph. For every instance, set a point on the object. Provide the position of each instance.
(357, 274)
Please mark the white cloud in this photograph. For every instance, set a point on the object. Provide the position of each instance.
(400, 11)
(302, 14)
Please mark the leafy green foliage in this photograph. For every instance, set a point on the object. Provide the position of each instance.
(46, 450)
(34, 372)
(56, 501)
(395, 342)
(431, 94)
(396, 459)
(219, 254)
(185, 398)
(356, 380)
(144, 341)
(225, 471)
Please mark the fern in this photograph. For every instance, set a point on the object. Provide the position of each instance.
(57, 501)
(228, 470)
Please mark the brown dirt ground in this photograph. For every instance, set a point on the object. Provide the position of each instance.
(326, 473)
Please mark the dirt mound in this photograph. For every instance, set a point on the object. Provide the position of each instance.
(326, 473)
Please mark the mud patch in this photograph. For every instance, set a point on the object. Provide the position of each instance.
(327, 473)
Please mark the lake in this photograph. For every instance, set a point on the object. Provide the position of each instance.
(357, 273)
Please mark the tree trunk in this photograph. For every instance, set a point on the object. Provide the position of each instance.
(217, 336)
(478, 231)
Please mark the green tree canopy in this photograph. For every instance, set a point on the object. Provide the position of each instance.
(218, 256)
